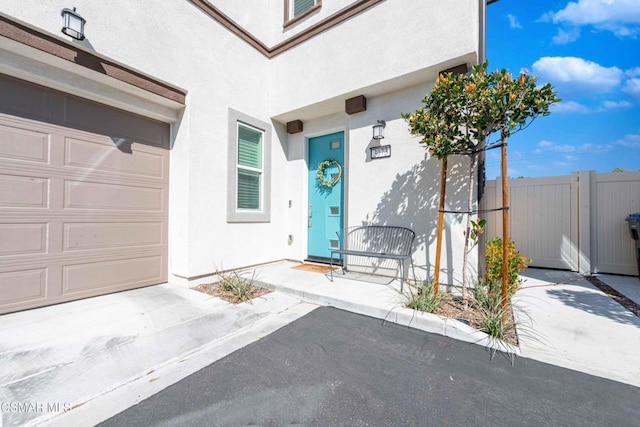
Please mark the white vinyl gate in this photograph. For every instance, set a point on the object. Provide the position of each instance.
(574, 222)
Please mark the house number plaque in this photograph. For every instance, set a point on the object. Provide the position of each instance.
(380, 151)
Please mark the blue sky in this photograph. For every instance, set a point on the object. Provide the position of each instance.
(589, 50)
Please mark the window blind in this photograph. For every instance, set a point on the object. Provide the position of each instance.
(248, 189)
(249, 147)
(249, 156)
(301, 6)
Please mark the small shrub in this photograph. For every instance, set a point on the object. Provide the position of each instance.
(486, 293)
(496, 321)
(238, 288)
(492, 318)
(423, 298)
(517, 263)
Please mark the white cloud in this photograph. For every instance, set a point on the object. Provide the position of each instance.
(594, 148)
(629, 141)
(633, 72)
(552, 147)
(577, 74)
(513, 22)
(515, 154)
(570, 107)
(565, 37)
(612, 105)
(632, 86)
(621, 17)
(547, 146)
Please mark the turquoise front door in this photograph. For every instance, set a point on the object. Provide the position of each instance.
(326, 195)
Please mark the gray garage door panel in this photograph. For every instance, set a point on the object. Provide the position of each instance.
(81, 213)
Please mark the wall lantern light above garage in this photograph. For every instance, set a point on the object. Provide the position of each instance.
(73, 23)
(378, 129)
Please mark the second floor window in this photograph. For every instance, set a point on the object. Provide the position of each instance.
(295, 9)
(301, 6)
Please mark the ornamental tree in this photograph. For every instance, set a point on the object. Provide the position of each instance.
(462, 110)
(461, 113)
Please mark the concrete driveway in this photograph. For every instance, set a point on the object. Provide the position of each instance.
(567, 321)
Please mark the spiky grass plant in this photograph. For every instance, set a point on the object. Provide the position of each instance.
(496, 321)
(422, 297)
(236, 287)
(493, 318)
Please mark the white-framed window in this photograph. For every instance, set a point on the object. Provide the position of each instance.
(249, 165)
(296, 9)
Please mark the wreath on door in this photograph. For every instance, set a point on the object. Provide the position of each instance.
(320, 173)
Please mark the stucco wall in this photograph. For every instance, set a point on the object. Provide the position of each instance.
(379, 53)
(175, 42)
(401, 190)
(390, 40)
(265, 18)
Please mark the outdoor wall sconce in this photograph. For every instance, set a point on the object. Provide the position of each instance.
(378, 129)
(73, 24)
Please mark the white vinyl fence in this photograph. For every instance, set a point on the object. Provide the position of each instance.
(574, 222)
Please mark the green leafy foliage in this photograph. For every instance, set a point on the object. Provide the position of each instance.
(487, 293)
(477, 228)
(464, 109)
(496, 320)
(517, 263)
(493, 318)
(423, 297)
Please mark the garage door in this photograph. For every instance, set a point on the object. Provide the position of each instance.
(83, 198)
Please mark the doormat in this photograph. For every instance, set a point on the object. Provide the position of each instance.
(314, 268)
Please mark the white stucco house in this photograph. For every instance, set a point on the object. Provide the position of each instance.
(181, 137)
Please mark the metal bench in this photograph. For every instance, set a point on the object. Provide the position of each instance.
(376, 241)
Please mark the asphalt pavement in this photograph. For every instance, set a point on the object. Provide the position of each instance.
(332, 367)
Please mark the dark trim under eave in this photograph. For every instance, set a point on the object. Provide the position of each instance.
(59, 48)
(327, 23)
